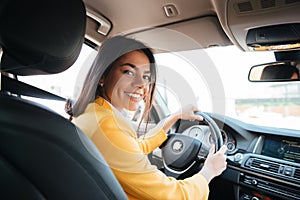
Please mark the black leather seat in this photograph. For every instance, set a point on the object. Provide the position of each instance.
(43, 155)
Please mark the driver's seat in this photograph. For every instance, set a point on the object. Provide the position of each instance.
(43, 155)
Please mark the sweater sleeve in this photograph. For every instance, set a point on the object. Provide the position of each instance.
(152, 140)
(140, 179)
(156, 185)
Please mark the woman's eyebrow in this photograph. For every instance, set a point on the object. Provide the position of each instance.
(133, 66)
(129, 64)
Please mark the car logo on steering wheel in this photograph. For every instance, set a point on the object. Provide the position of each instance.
(177, 146)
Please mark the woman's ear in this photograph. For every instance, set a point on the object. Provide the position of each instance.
(101, 82)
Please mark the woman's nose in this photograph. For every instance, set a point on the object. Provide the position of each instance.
(139, 81)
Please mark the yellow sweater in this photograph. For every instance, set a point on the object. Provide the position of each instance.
(127, 156)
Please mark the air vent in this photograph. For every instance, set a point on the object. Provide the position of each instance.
(262, 165)
(245, 6)
(279, 169)
(297, 173)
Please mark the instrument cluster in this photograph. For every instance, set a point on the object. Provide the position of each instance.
(203, 133)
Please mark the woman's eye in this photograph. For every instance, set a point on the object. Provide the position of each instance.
(146, 77)
(128, 72)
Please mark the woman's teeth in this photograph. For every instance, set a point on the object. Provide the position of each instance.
(134, 95)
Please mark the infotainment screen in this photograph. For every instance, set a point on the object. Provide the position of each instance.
(283, 148)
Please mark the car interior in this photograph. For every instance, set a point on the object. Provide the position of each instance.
(43, 155)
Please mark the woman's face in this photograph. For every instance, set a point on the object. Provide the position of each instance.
(128, 81)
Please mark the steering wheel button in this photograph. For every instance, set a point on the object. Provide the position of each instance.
(177, 146)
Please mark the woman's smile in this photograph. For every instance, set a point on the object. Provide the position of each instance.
(134, 95)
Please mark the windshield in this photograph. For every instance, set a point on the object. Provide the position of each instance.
(218, 80)
(215, 79)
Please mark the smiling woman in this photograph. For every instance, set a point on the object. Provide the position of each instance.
(122, 76)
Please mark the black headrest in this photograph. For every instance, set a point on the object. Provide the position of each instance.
(40, 36)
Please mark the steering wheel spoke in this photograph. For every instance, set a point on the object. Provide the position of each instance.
(203, 152)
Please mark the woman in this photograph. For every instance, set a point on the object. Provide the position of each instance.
(122, 75)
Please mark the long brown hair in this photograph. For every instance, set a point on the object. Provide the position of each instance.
(110, 51)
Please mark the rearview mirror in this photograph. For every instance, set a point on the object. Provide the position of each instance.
(276, 71)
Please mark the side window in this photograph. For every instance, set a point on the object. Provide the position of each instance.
(180, 81)
(66, 84)
(168, 98)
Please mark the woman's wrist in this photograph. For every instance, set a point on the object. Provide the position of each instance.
(170, 120)
(207, 174)
(175, 116)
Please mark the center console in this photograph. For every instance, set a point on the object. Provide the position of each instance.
(273, 173)
(264, 188)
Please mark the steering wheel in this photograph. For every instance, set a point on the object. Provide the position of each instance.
(180, 153)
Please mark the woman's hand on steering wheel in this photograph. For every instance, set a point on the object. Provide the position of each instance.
(188, 113)
(185, 113)
(214, 164)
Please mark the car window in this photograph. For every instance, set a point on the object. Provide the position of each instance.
(66, 84)
(218, 78)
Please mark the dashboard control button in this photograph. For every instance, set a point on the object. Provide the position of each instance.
(230, 146)
(246, 197)
(254, 182)
(238, 157)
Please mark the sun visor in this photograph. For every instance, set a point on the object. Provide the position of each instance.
(197, 33)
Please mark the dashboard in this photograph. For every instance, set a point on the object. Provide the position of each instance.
(265, 163)
(262, 163)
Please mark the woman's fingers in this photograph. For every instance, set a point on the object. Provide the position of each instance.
(212, 150)
(196, 117)
(223, 149)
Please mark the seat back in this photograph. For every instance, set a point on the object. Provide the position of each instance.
(42, 154)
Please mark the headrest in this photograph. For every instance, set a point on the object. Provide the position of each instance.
(40, 36)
